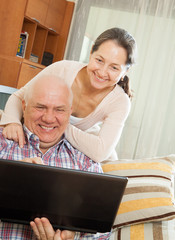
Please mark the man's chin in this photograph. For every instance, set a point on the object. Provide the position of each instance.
(48, 144)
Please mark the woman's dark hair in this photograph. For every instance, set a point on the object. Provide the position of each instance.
(125, 40)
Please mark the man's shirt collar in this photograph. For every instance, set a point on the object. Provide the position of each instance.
(33, 139)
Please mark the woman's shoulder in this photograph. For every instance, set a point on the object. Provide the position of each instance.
(68, 67)
(117, 99)
(71, 69)
(65, 69)
(119, 93)
(69, 64)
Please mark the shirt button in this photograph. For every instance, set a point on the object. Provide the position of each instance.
(39, 155)
(35, 138)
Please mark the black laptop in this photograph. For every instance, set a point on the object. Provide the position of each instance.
(70, 199)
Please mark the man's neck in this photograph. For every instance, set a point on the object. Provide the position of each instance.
(44, 147)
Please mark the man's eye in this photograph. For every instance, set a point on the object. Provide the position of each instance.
(39, 107)
(60, 110)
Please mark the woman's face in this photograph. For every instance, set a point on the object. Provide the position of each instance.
(107, 65)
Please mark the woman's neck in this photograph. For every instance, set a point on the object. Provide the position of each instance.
(86, 97)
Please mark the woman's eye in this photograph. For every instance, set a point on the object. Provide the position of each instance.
(98, 60)
(115, 68)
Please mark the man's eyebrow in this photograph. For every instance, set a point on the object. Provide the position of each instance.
(60, 106)
(43, 105)
(40, 104)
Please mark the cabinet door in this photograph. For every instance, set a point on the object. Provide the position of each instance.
(11, 18)
(37, 10)
(27, 72)
(55, 15)
(9, 71)
(62, 39)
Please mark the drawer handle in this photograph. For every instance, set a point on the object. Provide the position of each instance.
(51, 29)
(36, 20)
(33, 66)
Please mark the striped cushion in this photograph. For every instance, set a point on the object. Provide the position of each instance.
(149, 192)
(164, 230)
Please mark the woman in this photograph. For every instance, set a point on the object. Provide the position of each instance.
(101, 93)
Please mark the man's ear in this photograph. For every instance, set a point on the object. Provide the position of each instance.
(23, 105)
(71, 110)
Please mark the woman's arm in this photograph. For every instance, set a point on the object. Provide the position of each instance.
(100, 146)
(13, 109)
(11, 118)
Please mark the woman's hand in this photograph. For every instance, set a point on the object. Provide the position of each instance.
(43, 230)
(14, 131)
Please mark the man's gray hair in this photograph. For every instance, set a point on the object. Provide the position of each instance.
(28, 94)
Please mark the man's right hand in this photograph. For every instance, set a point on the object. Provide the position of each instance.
(43, 230)
(14, 131)
(36, 160)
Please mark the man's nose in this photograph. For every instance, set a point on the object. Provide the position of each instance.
(48, 116)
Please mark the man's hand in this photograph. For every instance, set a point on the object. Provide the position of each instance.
(43, 230)
(36, 160)
(14, 131)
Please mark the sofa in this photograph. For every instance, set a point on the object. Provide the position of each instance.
(147, 210)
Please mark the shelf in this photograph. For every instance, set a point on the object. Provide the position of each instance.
(51, 43)
(40, 39)
(39, 42)
(30, 28)
(38, 65)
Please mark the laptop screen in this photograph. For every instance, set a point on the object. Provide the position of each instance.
(70, 199)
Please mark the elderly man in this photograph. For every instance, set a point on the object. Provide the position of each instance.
(47, 108)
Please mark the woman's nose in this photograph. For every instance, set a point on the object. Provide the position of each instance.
(103, 71)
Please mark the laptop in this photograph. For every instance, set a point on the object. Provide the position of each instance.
(71, 199)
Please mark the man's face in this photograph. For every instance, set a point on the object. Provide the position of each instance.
(47, 113)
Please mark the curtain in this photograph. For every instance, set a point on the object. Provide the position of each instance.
(150, 127)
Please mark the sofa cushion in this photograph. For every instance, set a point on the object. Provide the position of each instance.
(149, 194)
(164, 230)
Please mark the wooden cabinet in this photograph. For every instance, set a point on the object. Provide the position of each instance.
(47, 23)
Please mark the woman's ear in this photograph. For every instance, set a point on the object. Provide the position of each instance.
(91, 49)
(127, 68)
(126, 71)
